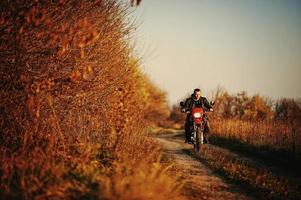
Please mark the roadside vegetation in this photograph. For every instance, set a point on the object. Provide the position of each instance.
(263, 181)
(256, 122)
(75, 106)
(259, 129)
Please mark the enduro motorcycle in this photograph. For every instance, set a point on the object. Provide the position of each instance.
(197, 126)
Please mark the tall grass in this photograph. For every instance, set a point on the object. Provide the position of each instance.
(276, 135)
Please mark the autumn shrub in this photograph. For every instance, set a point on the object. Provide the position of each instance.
(241, 106)
(257, 121)
(287, 109)
(176, 117)
(158, 109)
(73, 105)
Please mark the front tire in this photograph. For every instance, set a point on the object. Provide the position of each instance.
(195, 141)
(199, 138)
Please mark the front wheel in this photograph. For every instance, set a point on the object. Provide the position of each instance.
(195, 140)
(199, 139)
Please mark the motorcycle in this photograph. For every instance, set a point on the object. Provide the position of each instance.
(197, 126)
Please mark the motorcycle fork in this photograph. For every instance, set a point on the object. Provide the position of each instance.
(193, 133)
(201, 136)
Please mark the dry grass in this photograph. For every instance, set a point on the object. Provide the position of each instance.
(273, 138)
(254, 175)
(276, 135)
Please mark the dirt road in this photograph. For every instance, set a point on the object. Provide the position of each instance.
(199, 181)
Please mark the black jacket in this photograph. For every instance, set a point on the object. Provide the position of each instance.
(190, 103)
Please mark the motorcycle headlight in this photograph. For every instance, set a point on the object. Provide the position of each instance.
(197, 115)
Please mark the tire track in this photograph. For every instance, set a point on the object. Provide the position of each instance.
(199, 181)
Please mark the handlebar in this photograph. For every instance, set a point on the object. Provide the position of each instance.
(188, 111)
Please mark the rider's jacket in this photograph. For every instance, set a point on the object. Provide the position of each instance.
(190, 103)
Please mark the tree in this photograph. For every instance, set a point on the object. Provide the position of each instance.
(135, 2)
(258, 108)
(288, 109)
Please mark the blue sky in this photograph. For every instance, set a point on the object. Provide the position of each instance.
(251, 45)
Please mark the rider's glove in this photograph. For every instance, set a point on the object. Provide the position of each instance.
(211, 109)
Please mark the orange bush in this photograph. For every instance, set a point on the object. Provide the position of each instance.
(157, 107)
(72, 102)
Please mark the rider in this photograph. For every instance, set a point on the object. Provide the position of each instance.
(196, 100)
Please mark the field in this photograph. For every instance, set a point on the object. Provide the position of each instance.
(268, 135)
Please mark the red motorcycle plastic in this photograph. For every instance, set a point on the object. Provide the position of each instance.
(197, 128)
